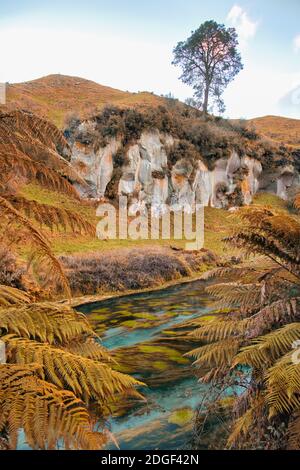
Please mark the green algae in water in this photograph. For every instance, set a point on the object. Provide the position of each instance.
(98, 317)
(172, 354)
(136, 324)
(160, 365)
(101, 310)
(131, 324)
(181, 417)
(145, 316)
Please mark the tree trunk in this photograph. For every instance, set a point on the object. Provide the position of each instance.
(206, 94)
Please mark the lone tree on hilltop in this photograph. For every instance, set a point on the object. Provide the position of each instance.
(210, 60)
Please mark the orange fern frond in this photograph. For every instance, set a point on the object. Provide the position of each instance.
(40, 245)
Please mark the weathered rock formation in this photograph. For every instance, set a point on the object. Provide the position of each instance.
(147, 177)
(154, 167)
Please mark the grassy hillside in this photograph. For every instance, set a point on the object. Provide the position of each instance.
(280, 129)
(54, 96)
(218, 223)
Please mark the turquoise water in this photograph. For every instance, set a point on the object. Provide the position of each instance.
(152, 425)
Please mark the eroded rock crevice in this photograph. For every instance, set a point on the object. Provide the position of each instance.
(144, 172)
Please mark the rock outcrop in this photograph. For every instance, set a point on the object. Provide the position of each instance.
(147, 176)
(152, 167)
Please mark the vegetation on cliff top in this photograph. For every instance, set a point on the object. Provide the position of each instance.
(198, 137)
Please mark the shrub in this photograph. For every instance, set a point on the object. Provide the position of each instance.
(180, 150)
(120, 158)
(129, 269)
(10, 273)
(211, 138)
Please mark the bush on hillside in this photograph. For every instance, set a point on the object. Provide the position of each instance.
(209, 138)
(122, 270)
(10, 273)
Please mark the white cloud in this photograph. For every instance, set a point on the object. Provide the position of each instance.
(257, 91)
(297, 43)
(245, 26)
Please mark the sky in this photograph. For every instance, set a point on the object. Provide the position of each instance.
(128, 44)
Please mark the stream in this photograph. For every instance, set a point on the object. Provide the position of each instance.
(146, 334)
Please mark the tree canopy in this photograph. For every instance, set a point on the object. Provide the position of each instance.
(210, 60)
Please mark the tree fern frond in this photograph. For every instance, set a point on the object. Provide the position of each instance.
(21, 164)
(46, 322)
(283, 385)
(218, 354)
(41, 249)
(294, 426)
(11, 295)
(90, 348)
(234, 294)
(266, 327)
(219, 329)
(24, 134)
(249, 419)
(51, 216)
(265, 232)
(265, 350)
(253, 242)
(240, 428)
(250, 271)
(46, 414)
(87, 378)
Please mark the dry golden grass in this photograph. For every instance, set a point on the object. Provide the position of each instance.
(280, 129)
(55, 96)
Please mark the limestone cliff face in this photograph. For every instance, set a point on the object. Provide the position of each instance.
(147, 177)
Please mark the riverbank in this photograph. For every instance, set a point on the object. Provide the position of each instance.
(88, 299)
(133, 269)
